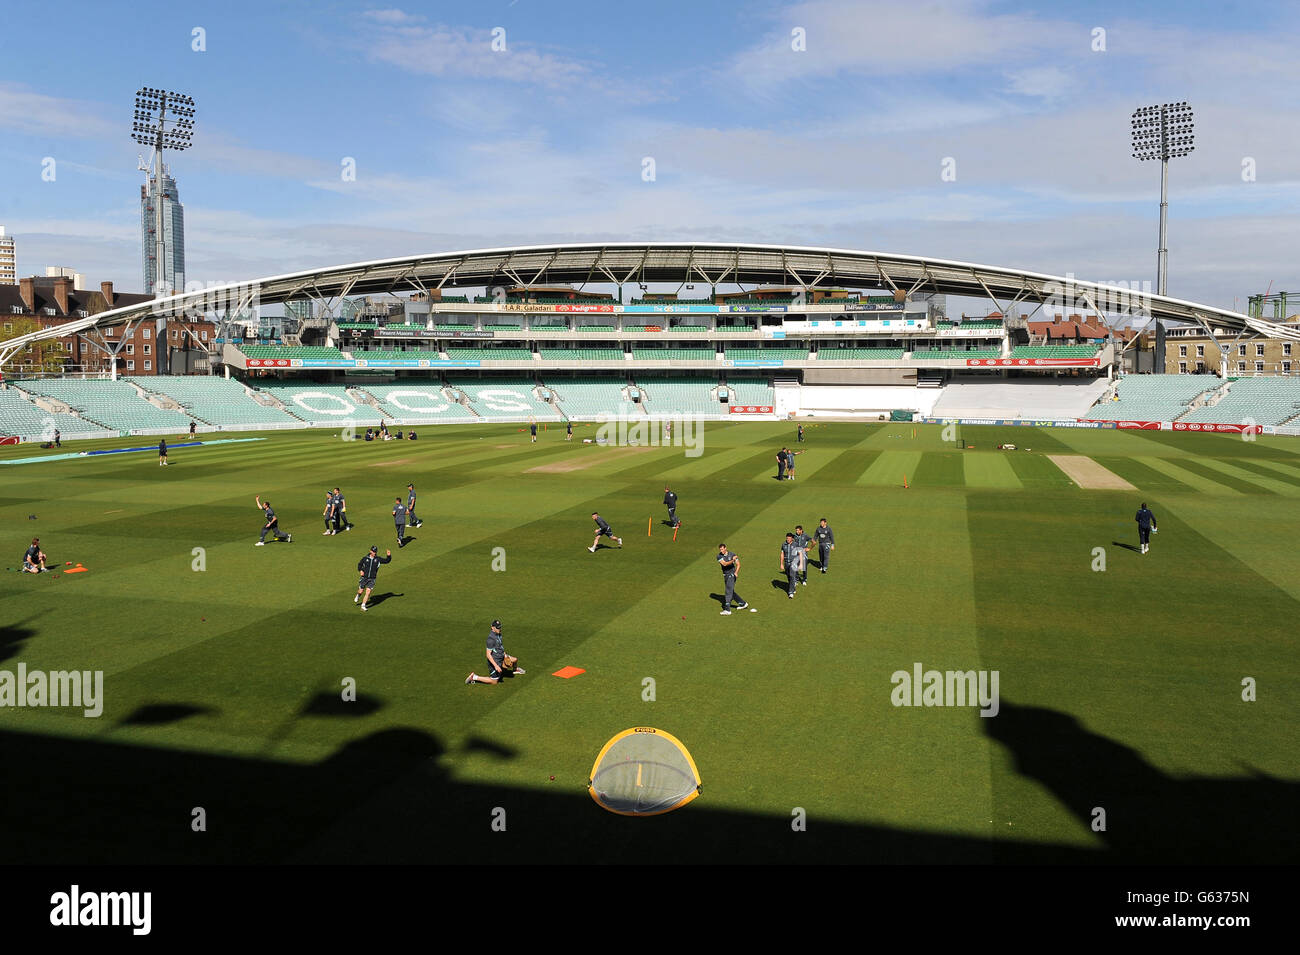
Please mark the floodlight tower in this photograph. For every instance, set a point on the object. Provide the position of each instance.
(155, 109)
(1162, 132)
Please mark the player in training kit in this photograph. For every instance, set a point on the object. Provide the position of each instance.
(272, 524)
(399, 519)
(730, 565)
(410, 507)
(780, 465)
(801, 434)
(804, 542)
(568, 431)
(328, 513)
(34, 558)
(1146, 522)
(790, 564)
(825, 538)
(789, 463)
(162, 453)
(368, 568)
(341, 521)
(602, 530)
(496, 656)
(532, 430)
(670, 500)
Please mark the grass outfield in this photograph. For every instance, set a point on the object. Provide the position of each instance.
(1119, 690)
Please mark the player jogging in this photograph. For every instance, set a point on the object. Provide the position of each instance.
(399, 519)
(34, 558)
(801, 565)
(670, 501)
(1146, 522)
(272, 524)
(825, 538)
(341, 521)
(790, 564)
(568, 431)
(368, 568)
(496, 657)
(602, 530)
(730, 565)
(328, 513)
(410, 507)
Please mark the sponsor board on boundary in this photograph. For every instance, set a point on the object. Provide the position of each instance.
(1023, 422)
(585, 308)
(750, 409)
(6, 439)
(1137, 425)
(1032, 362)
(1219, 428)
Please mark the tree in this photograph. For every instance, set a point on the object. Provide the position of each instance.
(44, 357)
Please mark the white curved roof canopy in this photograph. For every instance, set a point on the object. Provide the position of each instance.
(712, 263)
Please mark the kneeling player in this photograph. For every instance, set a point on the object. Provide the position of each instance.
(496, 656)
(34, 558)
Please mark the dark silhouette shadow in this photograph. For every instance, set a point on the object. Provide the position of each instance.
(477, 744)
(331, 703)
(377, 599)
(1150, 816)
(718, 597)
(814, 562)
(406, 540)
(159, 714)
(1133, 547)
(12, 635)
(781, 584)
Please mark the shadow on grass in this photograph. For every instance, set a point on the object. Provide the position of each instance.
(377, 599)
(12, 636)
(160, 714)
(388, 797)
(1133, 547)
(331, 703)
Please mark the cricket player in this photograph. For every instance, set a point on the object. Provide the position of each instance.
(57, 435)
(825, 538)
(341, 521)
(272, 524)
(410, 507)
(789, 564)
(368, 568)
(801, 434)
(789, 464)
(602, 530)
(399, 519)
(670, 500)
(496, 656)
(192, 426)
(532, 430)
(328, 513)
(730, 565)
(568, 431)
(1146, 522)
(780, 465)
(805, 544)
(34, 558)
(162, 453)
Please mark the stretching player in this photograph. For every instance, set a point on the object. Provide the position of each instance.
(272, 524)
(34, 558)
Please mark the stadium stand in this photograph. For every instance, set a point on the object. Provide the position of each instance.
(489, 354)
(506, 399)
(503, 328)
(581, 354)
(589, 397)
(750, 391)
(689, 328)
(681, 396)
(19, 417)
(453, 327)
(315, 352)
(595, 328)
(113, 404)
(740, 353)
(955, 354)
(413, 403)
(1153, 397)
(1054, 351)
(860, 354)
(216, 401)
(1261, 400)
(672, 354)
(1062, 398)
(389, 354)
(319, 403)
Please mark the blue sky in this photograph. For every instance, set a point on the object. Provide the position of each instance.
(841, 143)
